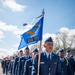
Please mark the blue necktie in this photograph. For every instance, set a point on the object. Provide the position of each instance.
(49, 60)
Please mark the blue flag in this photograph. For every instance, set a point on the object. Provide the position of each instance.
(33, 35)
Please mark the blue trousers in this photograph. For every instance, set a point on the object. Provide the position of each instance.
(3, 68)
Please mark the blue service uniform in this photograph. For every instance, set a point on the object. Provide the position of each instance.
(72, 63)
(22, 63)
(28, 64)
(3, 65)
(47, 68)
(66, 68)
(7, 63)
(28, 67)
(11, 67)
(16, 66)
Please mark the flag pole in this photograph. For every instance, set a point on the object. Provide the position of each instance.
(40, 48)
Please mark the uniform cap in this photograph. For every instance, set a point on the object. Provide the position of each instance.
(20, 51)
(27, 48)
(35, 50)
(68, 51)
(60, 50)
(49, 39)
(71, 55)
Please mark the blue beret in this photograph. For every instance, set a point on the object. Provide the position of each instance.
(68, 51)
(49, 40)
(35, 50)
(27, 48)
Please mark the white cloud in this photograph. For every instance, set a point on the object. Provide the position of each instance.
(11, 28)
(72, 32)
(14, 29)
(20, 31)
(5, 52)
(46, 35)
(13, 5)
(16, 45)
(5, 27)
(1, 35)
(64, 29)
(69, 32)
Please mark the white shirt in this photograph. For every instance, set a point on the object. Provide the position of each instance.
(47, 54)
(62, 59)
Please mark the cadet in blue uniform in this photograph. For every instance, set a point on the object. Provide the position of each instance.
(49, 62)
(16, 63)
(23, 59)
(28, 64)
(65, 66)
(11, 65)
(7, 63)
(3, 65)
(71, 61)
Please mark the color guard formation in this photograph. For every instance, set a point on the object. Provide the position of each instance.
(49, 64)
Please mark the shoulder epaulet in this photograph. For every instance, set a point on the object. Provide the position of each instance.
(67, 63)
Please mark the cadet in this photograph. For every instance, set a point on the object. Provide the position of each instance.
(3, 65)
(66, 68)
(28, 64)
(71, 56)
(71, 61)
(49, 62)
(16, 63)
(11, 65)
(7, 63)
(23, 59)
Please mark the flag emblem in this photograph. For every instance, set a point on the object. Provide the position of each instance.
(33, 30)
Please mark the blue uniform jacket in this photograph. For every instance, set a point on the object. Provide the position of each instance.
(22, 63)
(11, 67)
(66, 68)
(54, 69)
(28, 67)
(16, 66)
(72, 63)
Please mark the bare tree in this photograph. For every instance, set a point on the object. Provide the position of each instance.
(71, 41)
(57, 42)
(67, 41)
(32, 47)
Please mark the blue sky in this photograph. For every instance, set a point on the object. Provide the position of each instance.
(13, 13)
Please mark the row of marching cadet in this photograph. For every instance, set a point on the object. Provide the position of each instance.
(50, 63)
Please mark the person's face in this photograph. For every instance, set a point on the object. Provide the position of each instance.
(20, 53)
(48, 46)
(68, 54)
(61, 54)
(34, 53)
(7, 58)
(27, 52)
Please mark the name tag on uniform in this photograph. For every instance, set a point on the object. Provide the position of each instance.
(22, 60)
(55, 63)
(17, 61)
(42, 62)
(30, 66)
